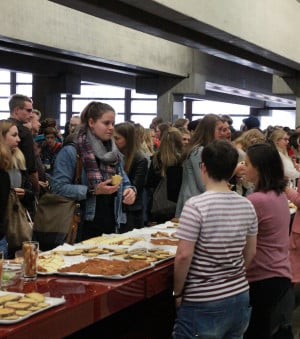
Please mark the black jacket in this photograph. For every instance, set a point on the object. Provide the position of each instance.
(137, 176)
(4, 192)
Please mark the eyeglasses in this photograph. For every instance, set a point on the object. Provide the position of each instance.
(29, 110)
(285, 139)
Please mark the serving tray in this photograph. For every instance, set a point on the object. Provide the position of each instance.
(53, 302)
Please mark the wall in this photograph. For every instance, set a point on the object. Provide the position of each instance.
(47, 24)
(271, 24)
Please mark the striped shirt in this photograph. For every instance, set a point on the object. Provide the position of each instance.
(218, 223)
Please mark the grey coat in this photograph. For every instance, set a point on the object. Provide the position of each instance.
(191, 180)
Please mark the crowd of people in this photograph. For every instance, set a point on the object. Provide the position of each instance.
(237, 256)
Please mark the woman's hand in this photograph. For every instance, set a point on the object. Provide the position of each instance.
(105, 187)
(178, 302)
(44, 184)
(20, 192)
(129, 196)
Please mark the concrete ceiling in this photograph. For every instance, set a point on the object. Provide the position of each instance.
(153, 18)
(156, 19)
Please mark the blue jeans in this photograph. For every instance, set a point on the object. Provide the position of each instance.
(226, 318)
(3, 246)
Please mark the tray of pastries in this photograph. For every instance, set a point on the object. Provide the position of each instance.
(16, 307)
(129, 253)
(124, 240)
(104, 268)
(73, 261)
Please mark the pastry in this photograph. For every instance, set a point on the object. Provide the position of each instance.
(36, 296)
(116, 179)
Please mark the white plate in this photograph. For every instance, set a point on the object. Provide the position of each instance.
(51, 301)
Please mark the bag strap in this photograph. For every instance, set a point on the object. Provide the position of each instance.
(78, 169)
(73, 228)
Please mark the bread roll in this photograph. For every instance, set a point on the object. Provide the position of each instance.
(116, 179)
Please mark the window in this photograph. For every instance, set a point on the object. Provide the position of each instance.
(5, 76)
(23, 85)
(24, 78)
(24, 89)
(237, 112)
(143, 107)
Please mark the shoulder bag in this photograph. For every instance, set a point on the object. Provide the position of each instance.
(57, 217)
(162, 208)
(19, 226)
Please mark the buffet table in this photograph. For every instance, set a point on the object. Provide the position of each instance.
(91, 301)
(87, 301)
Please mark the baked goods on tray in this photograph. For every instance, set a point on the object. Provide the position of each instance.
(50, 262)
(104, 267)
(118, 240)
(168, 242)
(14, 306)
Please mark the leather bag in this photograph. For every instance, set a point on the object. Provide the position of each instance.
(57, 217)
(19, 227)
(162, 208)
(53, 220)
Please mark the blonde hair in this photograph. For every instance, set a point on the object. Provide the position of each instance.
(251, 137)
(148, 141)
(17, 157)
(5, 155)
(276, 135)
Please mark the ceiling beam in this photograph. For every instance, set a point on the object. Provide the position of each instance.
(163, 22)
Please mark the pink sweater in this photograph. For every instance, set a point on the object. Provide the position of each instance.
(272, 252)
(294, 197)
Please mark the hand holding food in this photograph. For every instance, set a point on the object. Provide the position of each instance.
(116, 179)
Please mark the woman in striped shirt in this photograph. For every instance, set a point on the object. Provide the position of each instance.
(217, 239)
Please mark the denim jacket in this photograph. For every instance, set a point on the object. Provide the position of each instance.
(62, 183)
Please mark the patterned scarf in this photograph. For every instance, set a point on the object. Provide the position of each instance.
(99, 158)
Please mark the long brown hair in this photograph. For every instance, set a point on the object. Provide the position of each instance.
(127, 130)
(204, 133)
(94, 110)
(169, 152)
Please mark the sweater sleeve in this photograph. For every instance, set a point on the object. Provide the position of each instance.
(4, 192)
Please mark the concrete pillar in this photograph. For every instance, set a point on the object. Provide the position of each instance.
(288, 86)
(297, 122)
(46, 92)
(45, 98)
(165, 106)
(170, 94)
(178, 107)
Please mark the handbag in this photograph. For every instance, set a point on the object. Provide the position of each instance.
(57, 217)
(161, 206)
(19, 226)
